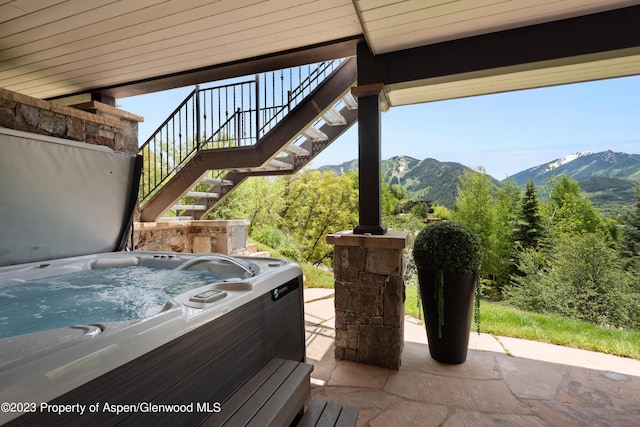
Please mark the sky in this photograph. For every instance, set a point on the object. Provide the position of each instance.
(503, 133)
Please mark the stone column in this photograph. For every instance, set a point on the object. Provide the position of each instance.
(369, 297)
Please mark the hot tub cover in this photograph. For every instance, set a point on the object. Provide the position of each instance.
(62, 198)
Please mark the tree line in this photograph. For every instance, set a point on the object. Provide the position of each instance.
(549, 250)
(545, 249)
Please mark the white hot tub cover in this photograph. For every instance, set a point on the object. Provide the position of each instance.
(62, 198)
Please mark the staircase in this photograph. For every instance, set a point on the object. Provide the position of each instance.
(274, 124)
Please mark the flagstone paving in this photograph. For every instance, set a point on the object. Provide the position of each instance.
(505, 381)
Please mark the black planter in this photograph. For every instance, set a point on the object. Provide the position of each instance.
(450, 346)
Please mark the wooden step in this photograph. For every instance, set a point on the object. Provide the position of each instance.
(350, 101)
(188, 207)
(279, 164)
(333, 118)
(207, 180)
(296, 150)
(175, 218)
(203, 195)
(313, 134)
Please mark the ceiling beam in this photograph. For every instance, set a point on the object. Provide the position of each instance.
(336, 49)
(608, 34)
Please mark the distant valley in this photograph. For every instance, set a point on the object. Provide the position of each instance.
(607, 178)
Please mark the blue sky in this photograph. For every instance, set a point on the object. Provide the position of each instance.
(504, 133)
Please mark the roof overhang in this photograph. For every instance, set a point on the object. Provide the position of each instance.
(580, 49)
(53, 49)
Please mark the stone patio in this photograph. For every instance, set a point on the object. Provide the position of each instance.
(504, 381)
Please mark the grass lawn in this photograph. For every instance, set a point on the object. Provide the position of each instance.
(506, 321)
(501, 320)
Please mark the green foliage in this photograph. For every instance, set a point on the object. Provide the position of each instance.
(441, 212)
(258, 199)
(474, 208)
(388, 199)
(528, 227)
(609, 195)
(567, 211)
(490, 215)
(317, 204)
(421, 210)
(581, 278)
(447, 246)
(498, 319)
(412, 303)
(398, 191)
(630, 219)
(294, 214)
(275, 238)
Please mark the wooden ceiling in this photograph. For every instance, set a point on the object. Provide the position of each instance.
(58, 48)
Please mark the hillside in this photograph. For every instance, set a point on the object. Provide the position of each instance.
(581, 166)
(427, 179)
(606, 178)
(345, 167)
(609, 195)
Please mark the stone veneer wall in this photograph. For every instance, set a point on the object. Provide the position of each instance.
(369, 297)
(226, 237)
(91, 122)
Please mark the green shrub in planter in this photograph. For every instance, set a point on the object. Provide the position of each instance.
(447, 255)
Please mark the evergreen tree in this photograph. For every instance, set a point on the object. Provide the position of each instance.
(631, 227)
(529, 230)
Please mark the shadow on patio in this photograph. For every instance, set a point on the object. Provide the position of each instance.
(504, 381)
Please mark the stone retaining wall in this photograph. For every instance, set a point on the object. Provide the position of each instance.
(91, 122)
(226, 237)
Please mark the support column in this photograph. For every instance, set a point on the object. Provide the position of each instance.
(369, 160)
(369, 297)
(369, 145)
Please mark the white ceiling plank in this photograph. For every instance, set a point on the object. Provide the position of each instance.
(203, 50)
(101, 20)
(47, 15)
(171, 16)
(423, 8)
(465, 23)
(186, 59)
(8, 12)
(14, 9)
(483, 14)
(374, 4)
(186, 35)
(51, 48)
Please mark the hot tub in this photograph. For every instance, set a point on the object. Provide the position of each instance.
(223, 318)
(91, 333)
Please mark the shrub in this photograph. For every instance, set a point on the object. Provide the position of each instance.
(583, 280)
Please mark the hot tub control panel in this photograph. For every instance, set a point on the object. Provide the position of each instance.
(208, 296)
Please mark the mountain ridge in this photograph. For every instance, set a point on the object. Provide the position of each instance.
(584, 165)
(607, 177)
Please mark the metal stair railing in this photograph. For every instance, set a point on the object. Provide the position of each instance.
(301, 81)
(232, 115)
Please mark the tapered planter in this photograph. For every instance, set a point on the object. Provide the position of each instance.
(448, 333)
(447, 256)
